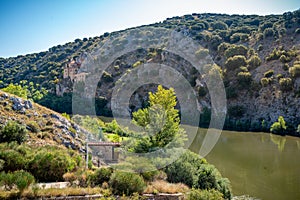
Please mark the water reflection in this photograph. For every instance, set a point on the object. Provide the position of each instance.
(279, 141)
(259, 164)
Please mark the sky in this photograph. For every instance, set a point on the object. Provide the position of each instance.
(33, 26)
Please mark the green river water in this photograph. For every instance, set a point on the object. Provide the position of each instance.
(261, 165)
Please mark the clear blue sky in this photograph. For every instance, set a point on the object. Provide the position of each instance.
(36, 25)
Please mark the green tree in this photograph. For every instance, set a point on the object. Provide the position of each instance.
(160, 122)
(278, 127)
(16, 90)
(12, 131)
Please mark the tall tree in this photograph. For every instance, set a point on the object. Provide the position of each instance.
(160, 122)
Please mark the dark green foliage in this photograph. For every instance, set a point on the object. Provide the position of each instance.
(268, 32)
(236, 111)
(244, 79)
(231, 92)
(236, 50)
(126, 183)
(12, 131)
(219, 25)
(107, 77)
(235, 62)
(286, 84)
(100, 176)
(51, 165)
(62, 104)
(202, 91)
(254, 61)
(205, 117)
(195, 172)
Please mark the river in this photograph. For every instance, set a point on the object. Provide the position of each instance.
(261, 165)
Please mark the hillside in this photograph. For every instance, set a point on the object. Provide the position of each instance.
(44, 126)
(258, 57)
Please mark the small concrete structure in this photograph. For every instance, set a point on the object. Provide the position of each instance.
(107, 149)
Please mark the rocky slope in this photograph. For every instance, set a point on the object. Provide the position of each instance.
(45, 127)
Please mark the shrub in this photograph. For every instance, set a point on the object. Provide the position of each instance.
(196, 194)
(295, 71)
(219, 26)
(100, 176)
(235, 62)
(184, 169)
(223, 47)
(202, 91)
(51, 165)
(278, 127)
(264, 82)
(23, 180)
(284, 59)
(202, 53)
(12, 131)
(254, 61)
(195, 172)
(269, 73)
(236, 37)
(137, 63)
(236, 50)
(268, 32)
(107, 77)
(260, 47)
(286, 84)
(244, 78)
(7, 180)
(126, 183)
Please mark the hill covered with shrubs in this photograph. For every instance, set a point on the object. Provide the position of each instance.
(258, 57)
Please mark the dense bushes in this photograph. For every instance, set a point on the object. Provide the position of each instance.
(235, 62)
(12, 131)
(45, 163)
(234, 50)
(126, 183)
(197, 173)
(100, 176)
(244, 78)
(51, 165)
(286, 84)
(254, 61)
(295, 70)
(21, 179)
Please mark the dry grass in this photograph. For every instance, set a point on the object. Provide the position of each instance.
(161, 186)
(39, 115)
(51, 192)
